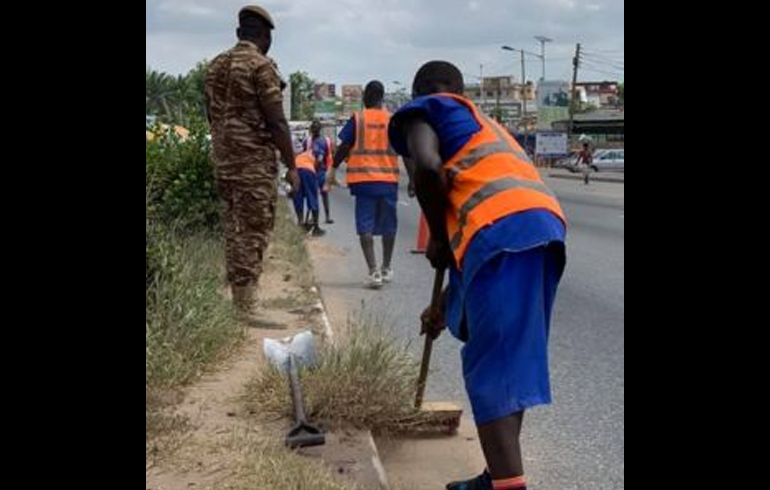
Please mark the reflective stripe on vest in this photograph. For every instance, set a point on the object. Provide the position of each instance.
(372, 159)
(491, 178)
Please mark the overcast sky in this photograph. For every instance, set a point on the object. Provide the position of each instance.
(354, 41)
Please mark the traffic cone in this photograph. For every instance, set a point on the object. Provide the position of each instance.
(423, 236)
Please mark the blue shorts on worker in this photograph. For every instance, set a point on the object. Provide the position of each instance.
(500, 303)
(308, 192)
(376, 202)
(376, 208)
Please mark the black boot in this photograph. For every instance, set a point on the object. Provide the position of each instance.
(317, 231)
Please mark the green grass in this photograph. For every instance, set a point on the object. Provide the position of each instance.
(188, 323)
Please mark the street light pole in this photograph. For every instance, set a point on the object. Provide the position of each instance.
(523, 78)
(543, 40)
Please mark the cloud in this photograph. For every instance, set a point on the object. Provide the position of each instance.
(352, 41)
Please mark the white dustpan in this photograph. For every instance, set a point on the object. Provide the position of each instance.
(301, 347)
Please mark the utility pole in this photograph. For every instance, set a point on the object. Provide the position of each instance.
(574, 103)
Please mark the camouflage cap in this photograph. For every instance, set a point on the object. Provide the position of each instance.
(259, 12)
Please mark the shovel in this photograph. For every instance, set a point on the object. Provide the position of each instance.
(288, 355)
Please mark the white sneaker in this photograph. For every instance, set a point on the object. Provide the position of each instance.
(388, 275)
(375, 280)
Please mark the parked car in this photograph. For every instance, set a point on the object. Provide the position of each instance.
(610, 161)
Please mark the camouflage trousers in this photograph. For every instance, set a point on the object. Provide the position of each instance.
(249, 203)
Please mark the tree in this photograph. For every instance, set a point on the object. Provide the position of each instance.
(302, 103)
(622, 94)
(175, 100)
(158, 93)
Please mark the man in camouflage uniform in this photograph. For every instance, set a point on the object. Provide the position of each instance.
(248, 127)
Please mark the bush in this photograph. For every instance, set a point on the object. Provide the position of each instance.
(188, 322)
(180, 180)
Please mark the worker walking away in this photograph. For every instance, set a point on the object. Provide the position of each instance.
(323, 151)
(373, 175)
(307, 166)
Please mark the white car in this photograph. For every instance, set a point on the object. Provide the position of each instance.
(610, 161)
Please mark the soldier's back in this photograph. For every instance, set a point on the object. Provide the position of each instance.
(237, 82)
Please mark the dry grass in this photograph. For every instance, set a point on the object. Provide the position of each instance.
(264, 463)
(288, 246)
(366, 382)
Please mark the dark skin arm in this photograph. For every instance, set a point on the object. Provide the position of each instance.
(343, 152)
(431, 187)
(278, 127)
(409, 164)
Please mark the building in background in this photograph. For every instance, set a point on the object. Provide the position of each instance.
(601, 95)
(503, 98)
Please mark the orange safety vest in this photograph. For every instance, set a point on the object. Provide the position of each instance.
(306, 160)
(372, 159)
(491, 178)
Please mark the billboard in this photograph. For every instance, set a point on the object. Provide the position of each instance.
(551, 144)
(352, 99)
(323, 91)
(326, 109)
(553, 102)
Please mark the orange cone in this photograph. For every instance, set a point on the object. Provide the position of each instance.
(423, 236)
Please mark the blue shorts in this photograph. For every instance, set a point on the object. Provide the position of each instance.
(308, 192)
(377, 215)
(507, 310)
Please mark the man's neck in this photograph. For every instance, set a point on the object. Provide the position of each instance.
(252, 42)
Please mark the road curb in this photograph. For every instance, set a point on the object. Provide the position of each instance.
(593, 178)
(371, 456)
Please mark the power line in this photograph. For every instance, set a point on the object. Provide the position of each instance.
(597, 70)
(609, 51)
(603, 69)
(605, 66)
(618, 66)
(601, 56)
(604, 60)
